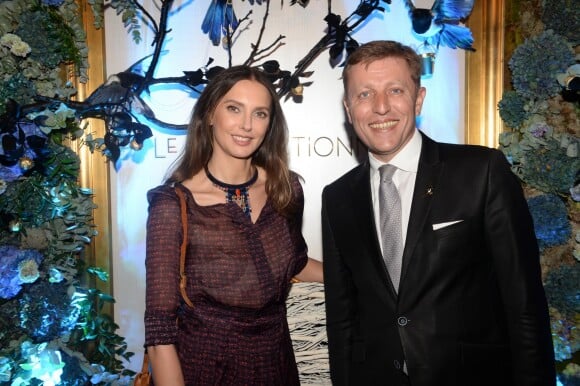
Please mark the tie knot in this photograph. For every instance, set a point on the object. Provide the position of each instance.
(387, 172)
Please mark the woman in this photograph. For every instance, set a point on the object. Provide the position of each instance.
(244, 244)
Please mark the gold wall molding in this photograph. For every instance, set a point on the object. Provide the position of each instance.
(94, 166)
(485, 73)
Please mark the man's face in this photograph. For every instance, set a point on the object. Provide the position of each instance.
(382, 102)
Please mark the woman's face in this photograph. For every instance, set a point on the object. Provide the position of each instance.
(240, 120)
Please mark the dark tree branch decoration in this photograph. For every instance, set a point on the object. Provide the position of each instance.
(119, 103)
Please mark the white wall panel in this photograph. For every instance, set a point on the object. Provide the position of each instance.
(320, 145)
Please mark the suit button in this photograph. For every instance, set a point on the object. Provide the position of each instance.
(402, 321)
(397, 364)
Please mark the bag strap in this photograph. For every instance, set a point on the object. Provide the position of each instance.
(182, 275)
(145, 366)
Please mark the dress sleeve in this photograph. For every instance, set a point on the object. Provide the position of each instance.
(295, 224)
(163, 240)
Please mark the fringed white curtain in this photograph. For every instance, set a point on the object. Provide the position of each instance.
(307, 322)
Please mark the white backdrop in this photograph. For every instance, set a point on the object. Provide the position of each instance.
(320, 143)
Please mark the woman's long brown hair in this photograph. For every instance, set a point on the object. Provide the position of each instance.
(272, 155)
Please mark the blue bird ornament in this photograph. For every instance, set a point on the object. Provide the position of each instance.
(219, 19)
(442, 24)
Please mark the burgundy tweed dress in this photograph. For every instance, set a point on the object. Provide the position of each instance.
(239, 276)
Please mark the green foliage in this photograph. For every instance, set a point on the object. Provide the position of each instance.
(18, 88)
(51, 40)
(36, 41)
(43, 208)
(130, 17)
(95, 334)
(97, 9)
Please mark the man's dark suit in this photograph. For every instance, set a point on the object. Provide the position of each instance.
(470, 308)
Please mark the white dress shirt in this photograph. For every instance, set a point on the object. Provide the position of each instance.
(407, 162)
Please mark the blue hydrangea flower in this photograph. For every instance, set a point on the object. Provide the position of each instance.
(551, 223)
(536, 63)
(562, 16)
(563, 295)
(512, 109)
(549, 169)
(10, 173)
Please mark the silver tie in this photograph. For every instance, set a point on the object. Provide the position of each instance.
(390, 222)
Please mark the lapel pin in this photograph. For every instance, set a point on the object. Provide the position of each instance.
(429, 191)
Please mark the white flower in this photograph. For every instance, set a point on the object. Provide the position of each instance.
(8, 40)
(20, 49)
(28, 271)
(17, 46)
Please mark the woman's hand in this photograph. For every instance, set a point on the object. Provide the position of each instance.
(165, 366)
(311, 272)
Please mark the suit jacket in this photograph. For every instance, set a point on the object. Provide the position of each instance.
(470, 309)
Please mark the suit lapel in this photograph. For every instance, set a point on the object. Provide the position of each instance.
(428, 173)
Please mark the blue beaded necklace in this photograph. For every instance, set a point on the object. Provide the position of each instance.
(235, 193)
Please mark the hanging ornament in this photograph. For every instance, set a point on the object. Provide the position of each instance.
(135, 145)
(428, 54)
(26, 163)
(298, 90)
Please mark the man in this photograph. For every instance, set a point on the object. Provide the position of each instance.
(459, 299)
